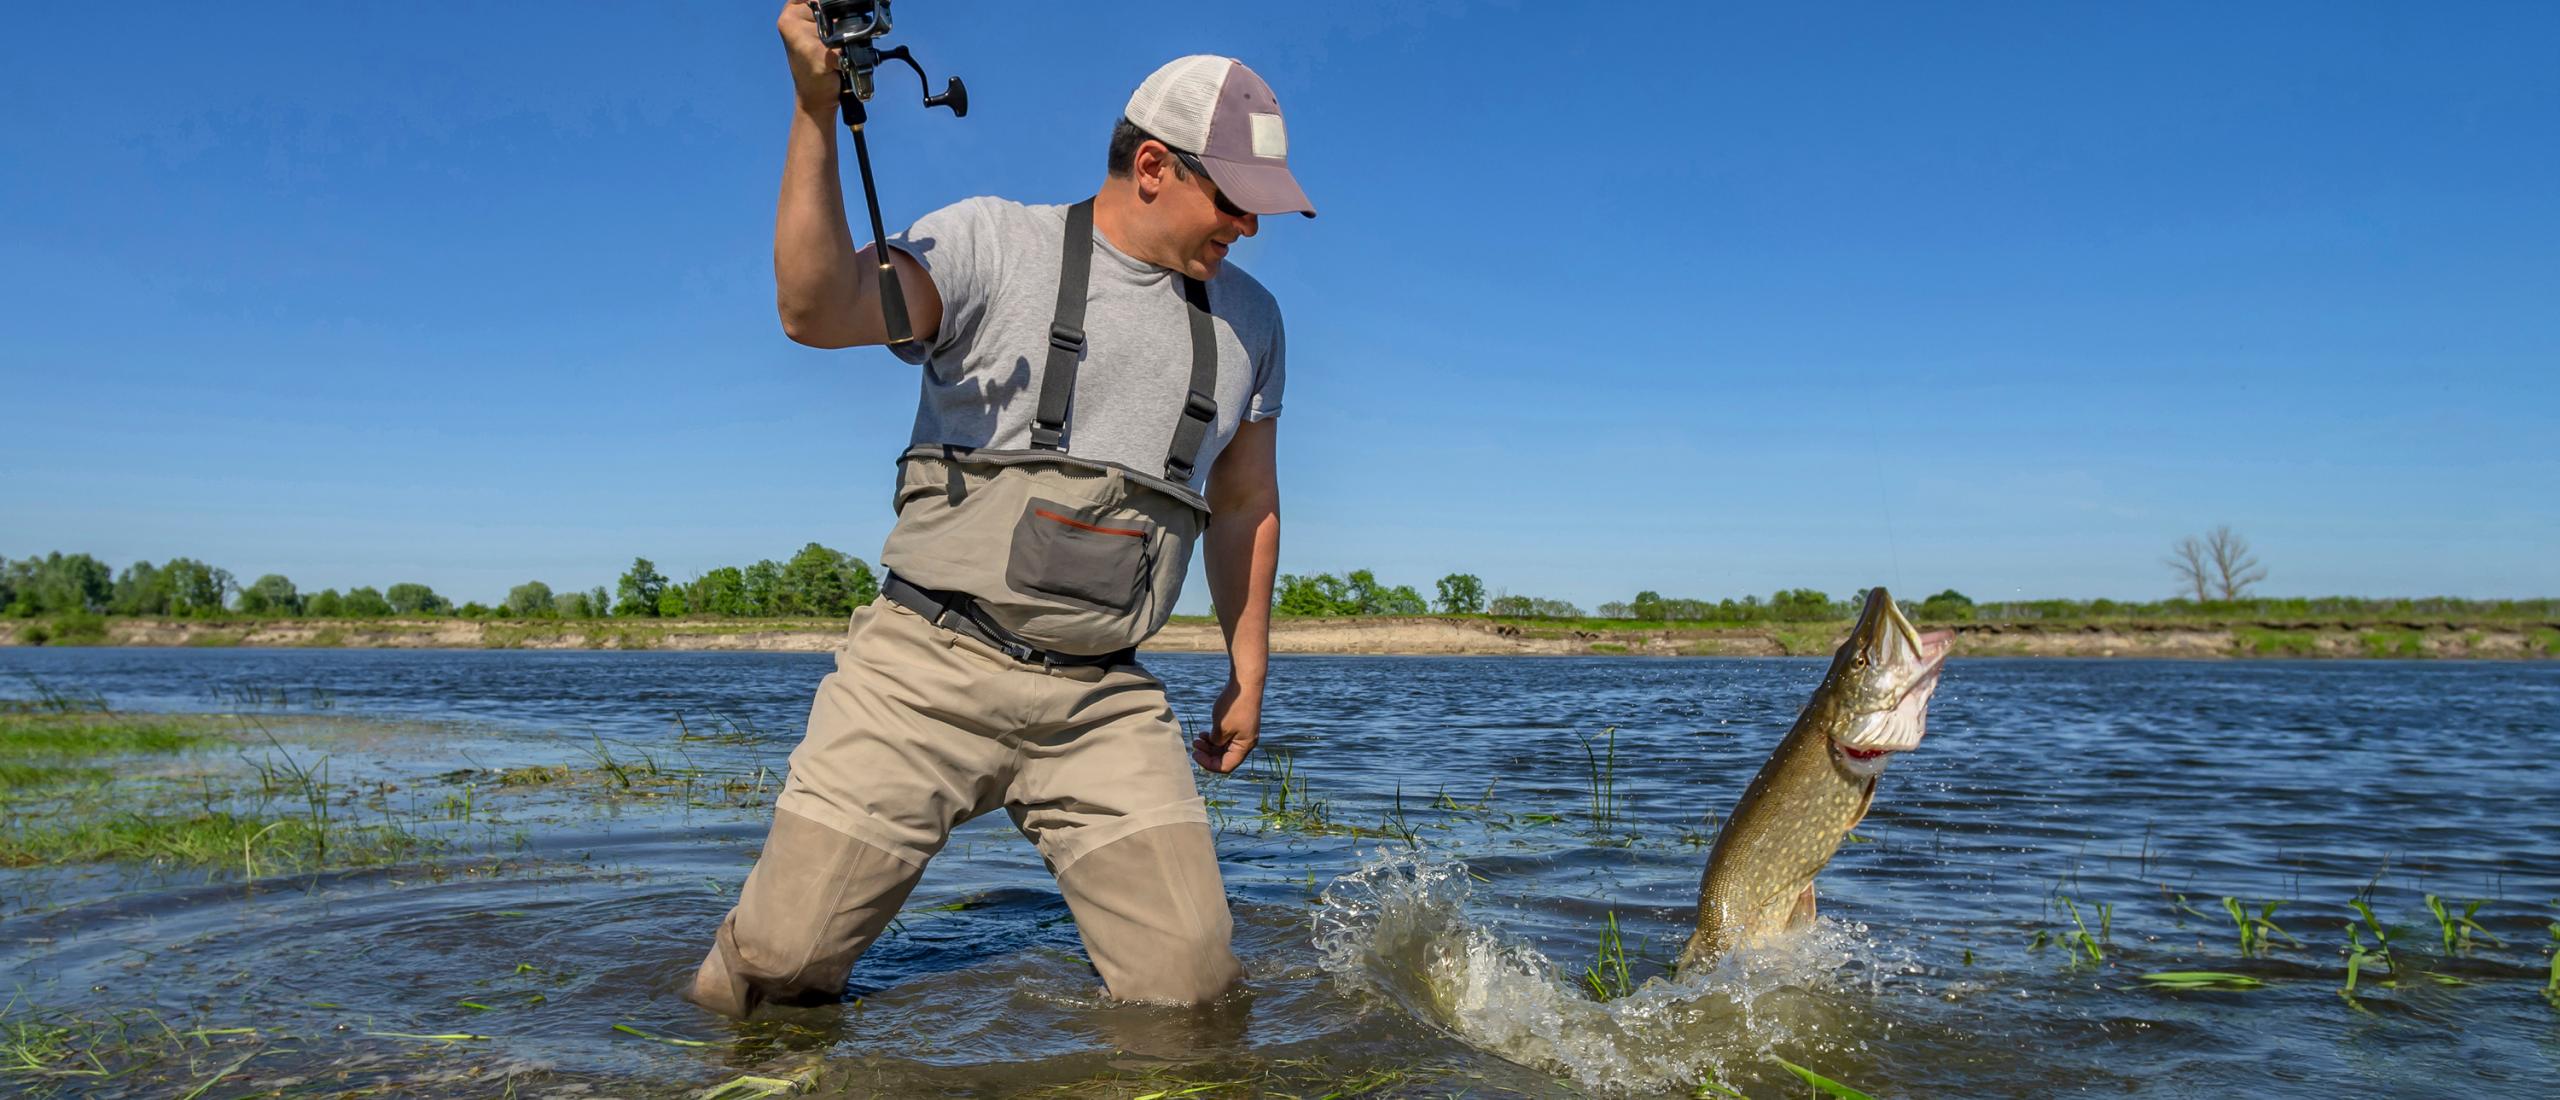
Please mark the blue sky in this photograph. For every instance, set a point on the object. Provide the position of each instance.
(1699, 298)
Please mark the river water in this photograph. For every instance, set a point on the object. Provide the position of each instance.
(1418, 917)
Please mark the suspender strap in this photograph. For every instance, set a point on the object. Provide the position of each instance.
(1067, 344)
(1200, 406)
(1066, 330)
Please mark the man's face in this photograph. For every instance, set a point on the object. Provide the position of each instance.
(1200, 223)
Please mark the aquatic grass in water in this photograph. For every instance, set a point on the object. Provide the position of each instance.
(1603, 778)
(253, 845)
(1608, 977)
(2551, 989)
(2200, 979)
(2460, 931)
(52, 700)
(2383, 934)
(1285, 804)
(1824, 1085)
(2255, 928)
(2080, 936)
(67, 736)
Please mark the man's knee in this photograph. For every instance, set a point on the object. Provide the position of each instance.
(1179, 971)
(1153, 914)
(815, 901)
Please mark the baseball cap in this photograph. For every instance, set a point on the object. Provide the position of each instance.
(1216, 109)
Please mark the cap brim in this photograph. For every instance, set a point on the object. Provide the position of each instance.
(1263, 189)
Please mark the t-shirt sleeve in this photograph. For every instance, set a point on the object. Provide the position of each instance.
(956, 245)
(1270, 375)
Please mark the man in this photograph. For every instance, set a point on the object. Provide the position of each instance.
(1098, 383)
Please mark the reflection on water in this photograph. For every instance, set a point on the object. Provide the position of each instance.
(1429, 934)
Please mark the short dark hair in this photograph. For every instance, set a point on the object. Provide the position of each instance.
(1125, 139)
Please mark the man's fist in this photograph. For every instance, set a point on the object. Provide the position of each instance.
(813, 65)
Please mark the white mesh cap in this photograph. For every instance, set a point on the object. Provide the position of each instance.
(1217, 109)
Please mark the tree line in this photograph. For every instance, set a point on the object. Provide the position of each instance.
(822, 582)
(817, 581)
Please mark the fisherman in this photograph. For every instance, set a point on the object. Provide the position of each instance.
(1098, 382)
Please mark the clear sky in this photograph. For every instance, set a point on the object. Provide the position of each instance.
(1700, 298)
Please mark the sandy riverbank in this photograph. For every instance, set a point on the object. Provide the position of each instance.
(1416, 636)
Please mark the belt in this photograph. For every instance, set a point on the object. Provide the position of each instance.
(958, 612)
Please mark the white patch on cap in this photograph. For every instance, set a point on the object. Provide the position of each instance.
(1270, 138)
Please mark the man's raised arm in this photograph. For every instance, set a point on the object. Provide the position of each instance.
(827, 292)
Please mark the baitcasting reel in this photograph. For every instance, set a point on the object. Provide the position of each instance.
(852, 28)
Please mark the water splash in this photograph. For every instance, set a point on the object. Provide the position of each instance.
(1399, 928)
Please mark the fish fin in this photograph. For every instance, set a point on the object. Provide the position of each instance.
(1802, 914)
(1866, 801)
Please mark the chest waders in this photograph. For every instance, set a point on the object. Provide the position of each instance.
(1051, 557)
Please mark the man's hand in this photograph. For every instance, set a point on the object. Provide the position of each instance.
(813, 65)
(1234, 725)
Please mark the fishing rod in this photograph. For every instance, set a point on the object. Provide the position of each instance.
(853, 29)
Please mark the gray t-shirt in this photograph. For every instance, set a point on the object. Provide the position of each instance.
(995, 264)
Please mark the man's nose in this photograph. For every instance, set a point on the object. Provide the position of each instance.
(1252, 224)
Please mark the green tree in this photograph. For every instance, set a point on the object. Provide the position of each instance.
(416, 599)
(1799, 605)
(139, 591)
(671, 602)
(722, 591)
(1947, 606)
(763, 582)
(1319, 594)
(196, 589)
(1461, 594)
(270, 595)
(1402, 600)
(530, 600)
(570, 605)
(820, 581)
(1648, 607)
(1360, 592)
(598, 606)
(473, 609)
(637, 593)
(327, 605)
(9, 583)
(366, 603)
(60, 582)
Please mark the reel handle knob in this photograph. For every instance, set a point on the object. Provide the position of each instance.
(955, 95)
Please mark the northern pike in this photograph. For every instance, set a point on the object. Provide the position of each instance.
(1817, 785)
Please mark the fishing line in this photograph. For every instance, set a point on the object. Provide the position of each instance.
(1884, 501)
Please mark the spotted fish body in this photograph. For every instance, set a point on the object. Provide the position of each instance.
(1818, 783)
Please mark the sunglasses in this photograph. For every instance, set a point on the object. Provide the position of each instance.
(1196, 168)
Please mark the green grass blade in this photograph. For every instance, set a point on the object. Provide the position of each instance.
(1824, 1085)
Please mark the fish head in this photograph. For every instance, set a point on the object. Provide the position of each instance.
(1881, 680)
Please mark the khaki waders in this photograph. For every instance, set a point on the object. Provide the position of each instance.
(920, 729)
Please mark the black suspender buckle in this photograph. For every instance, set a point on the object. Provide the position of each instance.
(1066, 338)
(1200, 406)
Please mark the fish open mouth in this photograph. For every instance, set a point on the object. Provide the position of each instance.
(1899, 725)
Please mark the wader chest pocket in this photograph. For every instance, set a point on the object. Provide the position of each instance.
(1079, 556)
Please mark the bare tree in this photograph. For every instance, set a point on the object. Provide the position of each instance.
(2233, 568)
(2187, 560)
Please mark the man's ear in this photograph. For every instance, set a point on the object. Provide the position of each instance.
(1152, 169)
